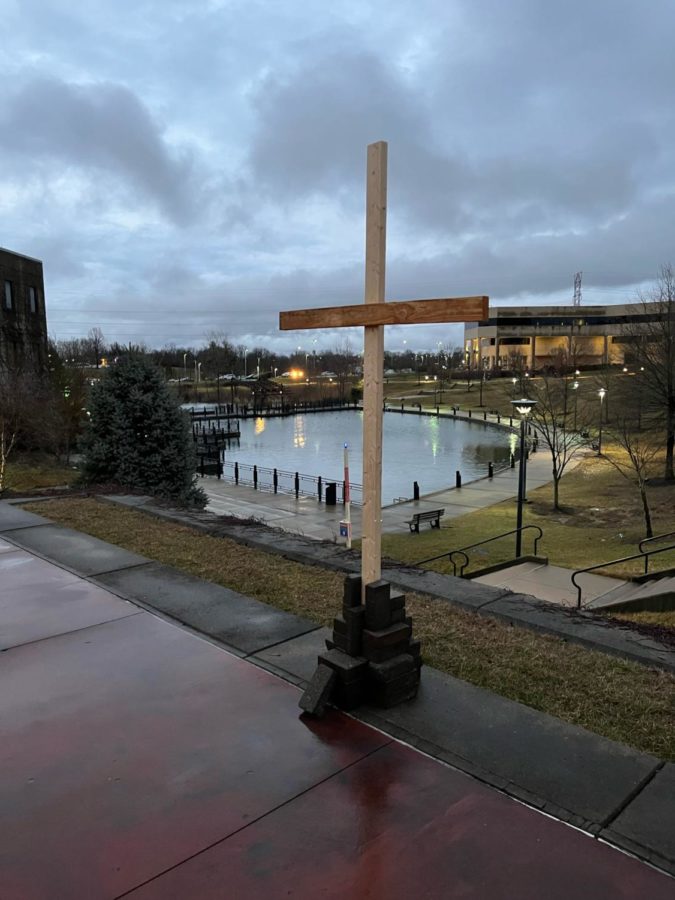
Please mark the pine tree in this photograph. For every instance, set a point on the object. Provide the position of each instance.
(138, 436)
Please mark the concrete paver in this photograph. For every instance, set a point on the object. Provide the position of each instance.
(73, 549)
(73, 603)
(241, 622)
(396, 826)
(135, 756)
(647, 826)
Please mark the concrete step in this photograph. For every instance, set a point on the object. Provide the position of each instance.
(550, 583)
(630, 593)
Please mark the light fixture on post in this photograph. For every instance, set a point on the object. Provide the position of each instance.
(601, 395)
(523, 407)
(575, 388)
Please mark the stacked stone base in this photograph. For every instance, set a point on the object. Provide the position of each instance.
(371, 655)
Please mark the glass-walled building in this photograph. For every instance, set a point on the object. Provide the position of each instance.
(530, 337)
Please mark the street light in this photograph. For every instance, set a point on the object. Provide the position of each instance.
(523, 407)
(514, 382)
(575, 388)
(601, 395)
(185, 356)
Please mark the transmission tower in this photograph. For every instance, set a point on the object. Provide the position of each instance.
(577, 289)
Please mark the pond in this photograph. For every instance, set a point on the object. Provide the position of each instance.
(425, 449)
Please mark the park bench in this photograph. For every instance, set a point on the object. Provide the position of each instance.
(433, 516)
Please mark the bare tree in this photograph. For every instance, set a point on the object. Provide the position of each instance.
(96, 341)
(633, 455)
(22, 403)
(552, 419)
(650, 340)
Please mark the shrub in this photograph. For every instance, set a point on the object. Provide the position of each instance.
(138, 436)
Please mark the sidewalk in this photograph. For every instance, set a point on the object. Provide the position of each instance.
(138, 758)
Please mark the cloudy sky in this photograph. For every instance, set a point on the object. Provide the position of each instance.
(189, 166)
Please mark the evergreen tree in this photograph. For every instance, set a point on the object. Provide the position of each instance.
(138, 436)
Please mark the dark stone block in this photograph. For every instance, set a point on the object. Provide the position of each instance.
(378, 611)
(350, 644)
(403, 664)
(384, 654)
(396, 599)
(352, 591)
(389, 693)
(339, 625)
(415, 650)
(349, 695)
(349, 668)
(386, 637)
(355, 616)
(347, 632)
(397, 616)
(317, 694)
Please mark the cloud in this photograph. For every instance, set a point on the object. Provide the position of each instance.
(99, 128)
(183, 168)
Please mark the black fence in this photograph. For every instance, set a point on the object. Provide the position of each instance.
(330, 491)
(221, 411)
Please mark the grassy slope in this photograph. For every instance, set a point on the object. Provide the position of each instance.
(620, 700)
(582, 535)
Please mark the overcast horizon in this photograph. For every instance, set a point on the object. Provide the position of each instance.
(184, 168)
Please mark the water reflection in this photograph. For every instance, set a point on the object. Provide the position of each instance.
(424, 449)
(299, 439)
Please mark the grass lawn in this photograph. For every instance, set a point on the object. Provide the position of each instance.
(618, 699)
(601, 520)
(33, 473)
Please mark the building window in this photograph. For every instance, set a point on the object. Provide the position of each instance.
(9, 295)
(32, 300)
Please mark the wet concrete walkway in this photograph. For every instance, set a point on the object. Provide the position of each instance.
(140, 759)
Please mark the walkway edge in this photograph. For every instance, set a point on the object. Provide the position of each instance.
(517, 609)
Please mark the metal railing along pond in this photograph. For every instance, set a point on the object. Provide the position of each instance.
(279, 481)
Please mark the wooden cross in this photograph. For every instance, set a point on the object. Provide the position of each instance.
(373, 315)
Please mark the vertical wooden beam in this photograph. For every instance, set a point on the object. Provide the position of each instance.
(373, 364)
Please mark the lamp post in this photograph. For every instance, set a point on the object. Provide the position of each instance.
(514, 382)
(523, 407)
(601, 395)
(185, 356)
(575, 388)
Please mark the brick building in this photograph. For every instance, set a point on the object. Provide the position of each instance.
(530, 336)
(23, 321)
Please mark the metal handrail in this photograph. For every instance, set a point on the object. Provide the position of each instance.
(657, 537)
(461, 550)
(614, 562)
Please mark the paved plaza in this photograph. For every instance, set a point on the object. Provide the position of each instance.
(140, 758)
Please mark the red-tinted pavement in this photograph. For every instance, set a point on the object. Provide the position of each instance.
(137, 757)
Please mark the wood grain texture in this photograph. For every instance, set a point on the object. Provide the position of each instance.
(400, 312)
(373, 364)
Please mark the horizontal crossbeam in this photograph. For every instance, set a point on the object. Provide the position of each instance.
(403, 312)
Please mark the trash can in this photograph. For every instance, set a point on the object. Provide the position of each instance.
(331, 494)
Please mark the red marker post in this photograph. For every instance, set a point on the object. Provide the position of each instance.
(346, 524)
